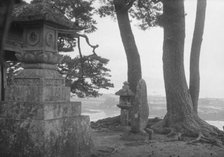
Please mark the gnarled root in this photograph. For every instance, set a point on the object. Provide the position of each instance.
(176, 136)
(192, 126)
(202, 139)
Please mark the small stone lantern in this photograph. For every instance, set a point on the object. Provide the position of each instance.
(125, 103)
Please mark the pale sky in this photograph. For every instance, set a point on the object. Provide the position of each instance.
(150, 42)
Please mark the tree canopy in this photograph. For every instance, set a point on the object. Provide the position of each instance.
(78, 11)
(144, 12)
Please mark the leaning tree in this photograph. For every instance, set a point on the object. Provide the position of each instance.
(121, 9)
(142, 10)
(180, 116)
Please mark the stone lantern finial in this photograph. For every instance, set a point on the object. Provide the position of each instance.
(125, 91)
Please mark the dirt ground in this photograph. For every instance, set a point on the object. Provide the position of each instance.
(108, 143)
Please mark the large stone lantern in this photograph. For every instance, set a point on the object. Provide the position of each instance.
(126, 96)
(37, 111)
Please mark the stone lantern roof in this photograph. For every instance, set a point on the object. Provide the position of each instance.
(32, 15)
(40, 12)
(125, 91)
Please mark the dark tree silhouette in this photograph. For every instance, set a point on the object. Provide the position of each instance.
(194, 86)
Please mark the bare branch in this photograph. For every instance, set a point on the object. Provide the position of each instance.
(87, 41)
(77, 35)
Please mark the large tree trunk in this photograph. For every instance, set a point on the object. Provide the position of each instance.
(179, 102)
(133, 58)
(180, 115)
(194, 86)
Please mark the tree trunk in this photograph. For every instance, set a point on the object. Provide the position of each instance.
(133, 58)
(178, 98)
(194, 86)
(180, 115)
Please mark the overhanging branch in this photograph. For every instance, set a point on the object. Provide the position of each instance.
(77, 35)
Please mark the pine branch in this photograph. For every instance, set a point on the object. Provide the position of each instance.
(77, 35)
(87, 41)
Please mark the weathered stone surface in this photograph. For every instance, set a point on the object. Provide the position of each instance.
(38, 119)
(38, 85)
(39, 111)
(124, 117)
(38, 73)
(140, 110)
(126, 96)
(40, 93)
(63, 137)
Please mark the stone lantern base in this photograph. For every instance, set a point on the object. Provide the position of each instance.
(38, 120)
(125, 114)
(43, 130)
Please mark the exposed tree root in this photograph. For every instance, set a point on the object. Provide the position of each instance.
(191, 126)
(171, 132)
(202, 139)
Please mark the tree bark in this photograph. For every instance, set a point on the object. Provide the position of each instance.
(194, 86)
(133, 58)
(178, 98)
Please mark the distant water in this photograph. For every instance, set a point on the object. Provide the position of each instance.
(218, 124)
(95, 114)
(99, 114)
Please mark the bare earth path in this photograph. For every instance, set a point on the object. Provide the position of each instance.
(109, 144)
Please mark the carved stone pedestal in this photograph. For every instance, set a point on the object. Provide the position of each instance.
(38, 120)
(124, 116)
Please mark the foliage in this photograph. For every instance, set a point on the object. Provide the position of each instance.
(86, 80)
(145, 12)
(78, 11)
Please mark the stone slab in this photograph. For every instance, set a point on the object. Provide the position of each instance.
(39, 111)
(37, 93)
(38, 82)
(38, 73)
(140, 110)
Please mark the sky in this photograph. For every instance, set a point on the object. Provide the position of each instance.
(150, 44)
